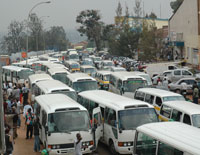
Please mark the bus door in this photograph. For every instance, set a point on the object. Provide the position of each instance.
(97, 124)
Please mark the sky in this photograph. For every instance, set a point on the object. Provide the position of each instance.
(64, 12)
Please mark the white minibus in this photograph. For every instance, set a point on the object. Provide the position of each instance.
(50, 65)
(167, 138)
(126, 83)
(58, 74)
(144, 75)
(103, 79)
(156, 97)
(16, 74)
(53, 87)
(73, 66)
(117, 118)
(61, 118)
(81, 82)
(90, 70)
(181, 111)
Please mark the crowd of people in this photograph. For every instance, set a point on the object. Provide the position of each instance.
(15, 103)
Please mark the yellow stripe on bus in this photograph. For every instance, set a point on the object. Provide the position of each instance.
(157, 108)
(162, 118)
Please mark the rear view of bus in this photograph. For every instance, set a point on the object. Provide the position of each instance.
(61, 119)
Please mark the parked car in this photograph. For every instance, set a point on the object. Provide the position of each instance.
(178, 74)
(178, 87)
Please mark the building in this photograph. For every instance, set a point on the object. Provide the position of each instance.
(159, 23)
(184, 31)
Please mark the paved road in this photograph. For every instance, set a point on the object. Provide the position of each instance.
(25, 147)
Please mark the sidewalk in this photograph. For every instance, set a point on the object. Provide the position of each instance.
(23, 146)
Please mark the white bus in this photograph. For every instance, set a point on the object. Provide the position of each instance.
(16, 74)
(120, 117)
(156, 97)
(53, 87)
(144, 75)
(167, 138)
(90, 70)
(61, 118)
(58, 74)
(181, 111)
(73, 66)
(81, 82)
(126, 83)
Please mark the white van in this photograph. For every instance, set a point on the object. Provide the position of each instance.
(117, 118)
(58, 74)
(178, 74)
(61, 118)
(53, 87)
(126, 83)
(81, 82)
(16, 74)
(167, 138)
(181, 111)
(156, 97)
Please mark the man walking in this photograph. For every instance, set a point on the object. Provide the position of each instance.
(36, 126)
(29, 123)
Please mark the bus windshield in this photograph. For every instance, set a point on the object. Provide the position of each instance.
(71, 94)
(147, 78)
(90, 70)
(173, 98)
(133, 84)
(24, 74)
(68, 121)
(132, 118)
(84, 85)
(73, 56)
(60, 76)
(75, 65)
(196, 120)
(106, 77)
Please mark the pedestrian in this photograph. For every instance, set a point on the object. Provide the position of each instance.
(25, 94)
(183, 88)
(165, 83)
(18, 112)
(25, 110)
(29, 123)
(78, 144)
(15, 119)
(9, 91)
(9, 144)
(36, 126)
(196, 95)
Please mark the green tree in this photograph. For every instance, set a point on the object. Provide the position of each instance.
(56, 38)
(152, 15)
(147, 44)
(91, 26)
(36, 30)
(14, 40)
(175, 5)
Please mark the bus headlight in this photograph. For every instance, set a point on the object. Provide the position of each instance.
(125, 144)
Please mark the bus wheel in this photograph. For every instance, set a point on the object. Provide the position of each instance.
(112, 148)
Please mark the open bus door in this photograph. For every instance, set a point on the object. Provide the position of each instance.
(97, 125)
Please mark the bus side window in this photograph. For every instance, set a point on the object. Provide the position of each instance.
(112, 118)
(158, 101)
(149, 98)
(119, 85)
(102, 111)
(176, 115)
(44, 118)
(165, 111)
(164, 149)
(186, 119)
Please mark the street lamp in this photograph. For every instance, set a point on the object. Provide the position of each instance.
(47, 2)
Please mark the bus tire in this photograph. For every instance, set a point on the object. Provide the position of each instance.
(112, 148)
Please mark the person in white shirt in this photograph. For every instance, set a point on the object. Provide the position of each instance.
(78, 144)
(26, 107)
(165, 83)
(184, 88)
